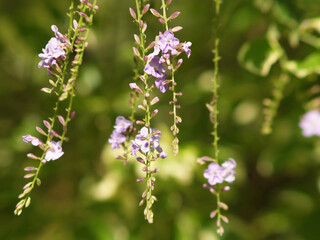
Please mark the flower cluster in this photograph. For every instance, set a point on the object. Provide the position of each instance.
(54, 50)
(142, 144)
(169, 47)
(121, 130)
(54, 149)
(218, 174)
(310, 123)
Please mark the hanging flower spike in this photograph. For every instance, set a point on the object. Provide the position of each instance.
(56, 58)
(169, 47)
(216, 175)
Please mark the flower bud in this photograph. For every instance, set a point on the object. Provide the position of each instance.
(46, 90)
(155, 13)
(135, 86)
(82, 14)
(31, 155)
(133, 14)
(137, 39)
(144, 27)
(27, 169)
(176, 29)
(136, 52)
(154, 112)
(213, 214)
(154, 101)
(141, 107)
(46, 123)
(139, 122)
(174, 15)
(145, 9)
(41, 131)
(161, 20)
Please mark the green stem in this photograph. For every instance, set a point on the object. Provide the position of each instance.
(164, 14)
(215, 106)
(216, 83)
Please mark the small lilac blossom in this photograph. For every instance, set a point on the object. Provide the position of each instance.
(51, 52)
(228, 170)
(167, 42)
(121, 130)
(116, 139)
(122, 124)
(310, 123)
(155, 68)
(54, 152)
(186, 49)
(214, 173)
(141, 142)
(34, 141)
(158, 83)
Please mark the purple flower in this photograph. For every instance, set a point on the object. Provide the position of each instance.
(141, 142)
(214, 174)
(228, 170)
(54, 152)
(185, 47)
(310, 123)
(34, 141)
(155, 67)
(217, 174)
(158, 83)
(121, 130)
(122, 124)
(167, 42)
(116, 139)
(51, 52)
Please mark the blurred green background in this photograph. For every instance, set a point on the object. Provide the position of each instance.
(89, 195)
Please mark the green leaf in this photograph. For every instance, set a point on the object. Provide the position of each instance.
(305, 67)
(259, 55)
